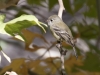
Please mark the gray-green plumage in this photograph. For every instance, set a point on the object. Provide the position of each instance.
(61, 30)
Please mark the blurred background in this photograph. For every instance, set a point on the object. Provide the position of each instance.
(40, 56)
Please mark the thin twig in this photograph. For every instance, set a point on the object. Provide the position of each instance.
(29, 58)
(62, 59)
(45, 51)
(53, 44)
(61, 8)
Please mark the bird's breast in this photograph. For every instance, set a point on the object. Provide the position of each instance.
(55, 35)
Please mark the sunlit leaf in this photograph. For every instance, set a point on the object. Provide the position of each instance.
(2, 25)
(2, 17)
(29, 20)
(15, 26)
(43, 24)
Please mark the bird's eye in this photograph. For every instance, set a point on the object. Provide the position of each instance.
(51, 20)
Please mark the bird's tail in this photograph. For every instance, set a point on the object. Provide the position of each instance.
(75, 52)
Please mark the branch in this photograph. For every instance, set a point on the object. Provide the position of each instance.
(53, 44)
(63, 53)
(59, 45)
(61, 8)
(46, 51)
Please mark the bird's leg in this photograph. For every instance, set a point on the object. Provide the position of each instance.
(59, 46)
(63, 51)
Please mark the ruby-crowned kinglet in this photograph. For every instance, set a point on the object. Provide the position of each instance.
(61, 31)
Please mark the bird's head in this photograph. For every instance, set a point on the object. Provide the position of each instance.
(54, 19)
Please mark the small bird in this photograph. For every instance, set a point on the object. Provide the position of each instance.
(61, 31)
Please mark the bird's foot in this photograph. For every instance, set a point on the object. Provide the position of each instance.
(63, 52)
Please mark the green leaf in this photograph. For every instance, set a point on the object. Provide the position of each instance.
(15, 26)
(2, 17)
(2, 25)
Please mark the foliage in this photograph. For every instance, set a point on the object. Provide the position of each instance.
(16, 28)
(7, 3)
(85, 65)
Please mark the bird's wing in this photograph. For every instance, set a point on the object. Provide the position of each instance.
(63, 34)
(66, 36)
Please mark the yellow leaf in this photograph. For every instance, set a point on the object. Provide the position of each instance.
(14, 66)
(71, 62)
(7, 3)
(30, 36)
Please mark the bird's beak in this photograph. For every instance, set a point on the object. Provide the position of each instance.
(47, 21)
